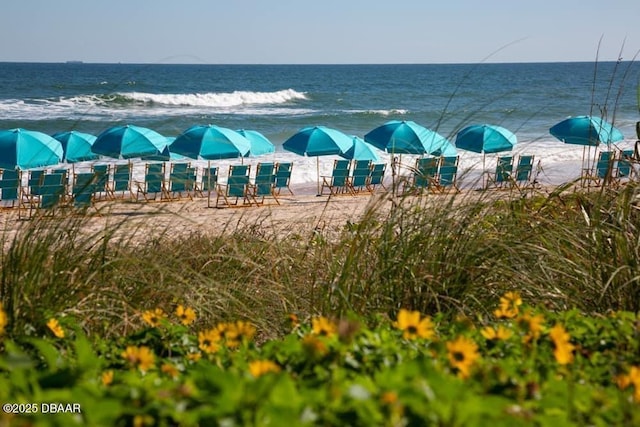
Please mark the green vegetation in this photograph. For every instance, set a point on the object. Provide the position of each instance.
(443, 310)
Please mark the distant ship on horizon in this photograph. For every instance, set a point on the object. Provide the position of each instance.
(75, 62)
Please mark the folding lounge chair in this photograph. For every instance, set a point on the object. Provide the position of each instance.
(283, 178)
(264, 182)
(207, 182)
(359, 176)
(523, 172)
(101, 173)
(181, 180)
(236, 189)
(625, 168)
(85, 186)
(447, 174)
(425, 174)
(153, 182)
(603, 171)
(48, 194)
(503, 173)
(121, 184)
(338, 182)
(9, 188)
(376, 176)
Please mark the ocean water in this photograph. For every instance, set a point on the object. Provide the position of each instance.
(278, 100)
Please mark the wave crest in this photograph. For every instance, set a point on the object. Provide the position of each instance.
(213, 99)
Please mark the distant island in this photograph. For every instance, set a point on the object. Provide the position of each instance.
(74, 62)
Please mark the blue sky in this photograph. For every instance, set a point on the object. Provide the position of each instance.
(320, 31)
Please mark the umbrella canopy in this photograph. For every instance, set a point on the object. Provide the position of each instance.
(586, 130)
(166, 154)
(210, 142)
(486, 139)
(76, 146)
(406, 137)
(361, 150)
(259, 143)
(318, 141)
(25, 149)
(128, 142)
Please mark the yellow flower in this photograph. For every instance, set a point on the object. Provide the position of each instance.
(153, 317)
(323, 326)
(531, 325)
(293, 320)
(107, 377)
(260, 367)
(3, 320)
(314, 346)
(511, 299)
(186, 315)
(142, 357)
(169, 369)
(413, 326)
(55, 327)
(462, 354)
(244, 331)
(499, 333)
(208, 340)
(389, 398)
(194, 357)
(632, 378)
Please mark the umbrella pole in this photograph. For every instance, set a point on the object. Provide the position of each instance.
(209, 184)
(318, 174)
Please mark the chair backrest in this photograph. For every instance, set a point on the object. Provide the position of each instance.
(238, 180)
(101, 173)
(624, 163)
(35, 180)
(283, 175)
(154, 177)
(179, 177)
(9, 184)
(122, 177)
(209, 178)
(340, 174)
(524, 168)
(448, 171)
(504, 168)
(376, 174)
(85, 184)
(604, 165)
(265, 179)
(360, 173)
(50, 190)
(426, 171)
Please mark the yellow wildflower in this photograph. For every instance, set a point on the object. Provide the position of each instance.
(499, 333)
(208, 341)
(244, 331)
(323, 326)
(509, 304)
(169, 369)
(413, 326)
(314, 346)
(55, 327)
(632, 378)
(389, 398)
(531, 325)
(293, 320)
(107, 377)
(563, 349)
(186, 315)
(462, 354)
(153, 317)
(194, 357)
(260, 367)
(142, 357)
(3, 321)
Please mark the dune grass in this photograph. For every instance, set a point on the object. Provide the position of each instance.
(447, 254)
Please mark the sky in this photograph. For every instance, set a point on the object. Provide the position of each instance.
(318, 31)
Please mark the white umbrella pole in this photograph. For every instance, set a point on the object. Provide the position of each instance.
(318, 173)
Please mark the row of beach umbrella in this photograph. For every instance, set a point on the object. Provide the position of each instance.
(25, 149)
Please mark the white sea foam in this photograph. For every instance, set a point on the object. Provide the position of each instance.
(216, 99)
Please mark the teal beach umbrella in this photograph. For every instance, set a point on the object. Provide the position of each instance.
(259, 143)
(76, 146)
(406, 137)
(486, 139)
(361, 150)
(586, 130)
(26, 149)
(210, 142)
(128, 142)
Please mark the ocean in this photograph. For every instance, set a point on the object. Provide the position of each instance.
(278, 100)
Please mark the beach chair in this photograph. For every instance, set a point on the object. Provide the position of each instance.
(9, 188)
(85, 186)
(603, 171)
(153, 184)
(283, 178)
(376, 176)
(359, 177)
(207, 182)
(338, 181)
(181, 180)
(447, 174)
(121, 184)
(425, 174)
(237, 188)
(48, 193)
(625, 165)
(264, 182)
(523, 172)
(101, 184)
(503, 173)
